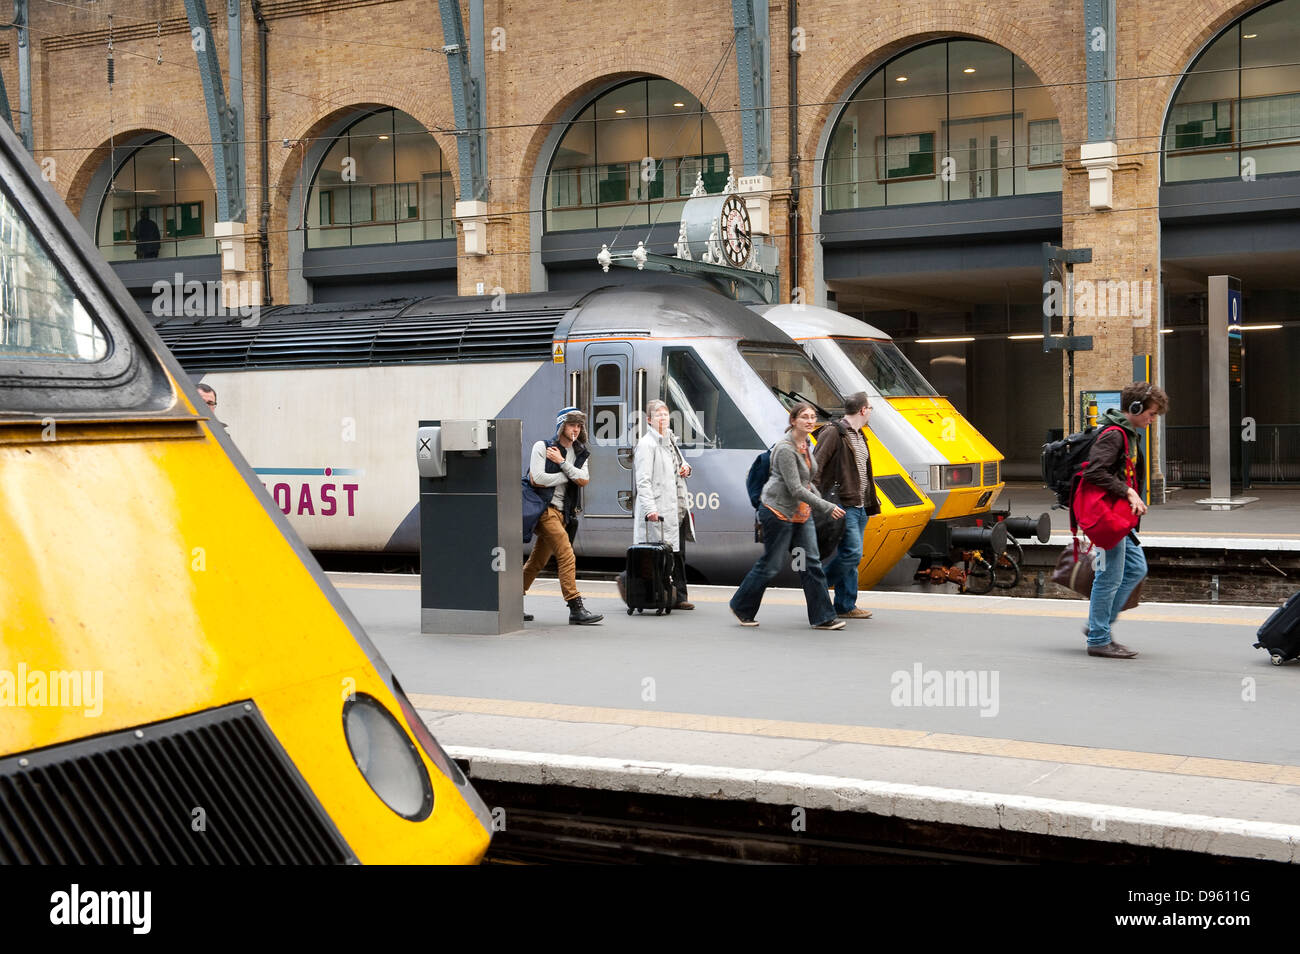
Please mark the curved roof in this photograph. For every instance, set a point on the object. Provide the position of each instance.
(812, 321)
(518, 327)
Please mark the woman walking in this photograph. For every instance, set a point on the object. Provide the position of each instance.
(661, 493)
(787, 504)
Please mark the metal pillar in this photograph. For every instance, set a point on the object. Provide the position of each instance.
(24, 75)
(225, 118)
(753, 71)
(1058, 299)
(1224, 377)
(1099, 25)
(467, 89)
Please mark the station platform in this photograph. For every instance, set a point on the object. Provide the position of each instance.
(984, 712)
(1270, 523)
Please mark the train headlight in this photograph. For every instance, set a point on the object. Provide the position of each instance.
(960, 475)
(386, 757)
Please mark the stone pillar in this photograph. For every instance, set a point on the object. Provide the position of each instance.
(1110, 204)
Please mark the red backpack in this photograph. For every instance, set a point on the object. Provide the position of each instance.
(1105, 518)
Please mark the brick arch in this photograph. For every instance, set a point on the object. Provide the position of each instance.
(580, 83)
(312, 122)
(1057, 65)
(92, 149)
(1199, 23)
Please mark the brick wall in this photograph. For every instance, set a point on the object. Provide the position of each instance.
(327, 58)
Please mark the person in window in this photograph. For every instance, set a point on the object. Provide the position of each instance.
(787, 504)
(661, 493)
(558, 469)
(844, 464)
(146, 237)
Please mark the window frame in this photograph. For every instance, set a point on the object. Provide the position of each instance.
(130, 379)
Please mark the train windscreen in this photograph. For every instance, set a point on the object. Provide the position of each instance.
(886, 368)
(40, 315)
(792, 378)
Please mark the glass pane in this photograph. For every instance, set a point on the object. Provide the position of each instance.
(40, 316)
(915, 109)
(1199, 133)
(852, 181)
(980, 129)
(1269, 110)
(699, 412)
(609, 380)
(886, 368)
(1039, 148)
(792, 378)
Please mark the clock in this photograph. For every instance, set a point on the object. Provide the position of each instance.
(733, 226)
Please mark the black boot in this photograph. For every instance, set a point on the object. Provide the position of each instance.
(578, 614)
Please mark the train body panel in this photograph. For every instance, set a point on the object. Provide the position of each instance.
(717, 365)
(349, 481)
(148, 586)
(930, 438)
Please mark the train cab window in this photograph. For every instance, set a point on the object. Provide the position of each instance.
(701, 414)
(41, 317)
(67, 344)
(792, 378)
(886, 368)
(607, 405)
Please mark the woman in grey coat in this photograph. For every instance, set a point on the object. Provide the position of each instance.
(661, 493)
(786, 515)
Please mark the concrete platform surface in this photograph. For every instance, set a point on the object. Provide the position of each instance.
(968, 703)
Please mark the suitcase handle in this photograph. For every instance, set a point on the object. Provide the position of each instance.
(662, 533)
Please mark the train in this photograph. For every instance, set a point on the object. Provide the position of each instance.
(941, 450)
(325, 401)
(179, 682)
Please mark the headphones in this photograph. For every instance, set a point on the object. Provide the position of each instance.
(1136, 407)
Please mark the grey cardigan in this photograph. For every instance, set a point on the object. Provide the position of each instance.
(791, 480)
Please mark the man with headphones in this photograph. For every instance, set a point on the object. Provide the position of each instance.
(1115, 464)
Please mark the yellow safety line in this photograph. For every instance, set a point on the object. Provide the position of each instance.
(866, 735)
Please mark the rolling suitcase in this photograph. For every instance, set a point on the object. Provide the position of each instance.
(1280, 634)
(649, 575)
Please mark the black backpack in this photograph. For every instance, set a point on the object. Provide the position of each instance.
(1062, 461)
(759, 471)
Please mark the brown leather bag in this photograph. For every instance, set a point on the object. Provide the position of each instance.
(1074, 571)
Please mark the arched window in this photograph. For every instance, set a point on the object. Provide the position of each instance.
(632, 157)
(383, 180)
(1237, 110)
(954, 119)
(160, 204)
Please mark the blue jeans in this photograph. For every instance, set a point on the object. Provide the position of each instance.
(1123, 568)
(842, 571)
(779, 538)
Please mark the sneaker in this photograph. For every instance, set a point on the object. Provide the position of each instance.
(1112, 650)
(831, 624)
(528, 617)
(856, 613)
(743, 621)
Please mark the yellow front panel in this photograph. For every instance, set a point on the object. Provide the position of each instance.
(890, 535)
(152, 563)
(954, 437)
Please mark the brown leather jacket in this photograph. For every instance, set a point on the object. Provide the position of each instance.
(836, 464)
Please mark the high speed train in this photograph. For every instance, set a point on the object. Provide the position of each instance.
(179, 683)
(325, 401)
(940, 450)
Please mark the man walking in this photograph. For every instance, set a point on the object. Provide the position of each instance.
(558, 469)
(844, 462)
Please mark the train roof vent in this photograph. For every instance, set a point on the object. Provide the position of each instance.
(505, 336)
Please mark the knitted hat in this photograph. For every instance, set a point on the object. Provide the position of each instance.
(571, 415)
